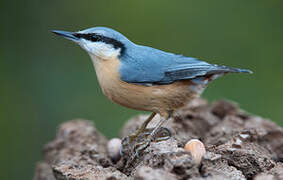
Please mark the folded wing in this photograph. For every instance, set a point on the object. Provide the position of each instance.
(152, 66)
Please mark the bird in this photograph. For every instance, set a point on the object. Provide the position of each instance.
(144, 78)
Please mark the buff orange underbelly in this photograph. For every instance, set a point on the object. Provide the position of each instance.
(157, 98)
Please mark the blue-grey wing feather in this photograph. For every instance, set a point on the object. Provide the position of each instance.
(144, 65)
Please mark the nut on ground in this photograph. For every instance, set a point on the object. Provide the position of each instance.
(113, 149)
(196, 148)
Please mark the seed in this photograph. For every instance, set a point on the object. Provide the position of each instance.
(113, 148)
(196, 148)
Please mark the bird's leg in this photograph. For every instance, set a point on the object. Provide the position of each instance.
(157, 127)
(132, 137)
(162, 134)
(153, 133)
(143, 138)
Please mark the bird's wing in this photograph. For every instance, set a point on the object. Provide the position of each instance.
(145, 65)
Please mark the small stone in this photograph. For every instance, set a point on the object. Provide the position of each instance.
(113, 149)
(196, 148)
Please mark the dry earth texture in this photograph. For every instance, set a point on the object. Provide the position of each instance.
(238, 146)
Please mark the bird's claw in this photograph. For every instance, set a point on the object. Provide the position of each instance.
(139, 143)
(129, 139)
(163, 134)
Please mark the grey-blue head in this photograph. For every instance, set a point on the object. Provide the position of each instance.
(99, 41)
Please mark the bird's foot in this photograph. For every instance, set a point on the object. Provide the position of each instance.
(134, 147)
(130, 138)
(162, 135)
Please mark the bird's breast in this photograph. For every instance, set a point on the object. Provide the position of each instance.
(157, 98)
(107, 74)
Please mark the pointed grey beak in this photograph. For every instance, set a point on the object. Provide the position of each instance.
(66, 34)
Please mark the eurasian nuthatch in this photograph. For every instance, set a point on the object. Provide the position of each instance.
(142, 77)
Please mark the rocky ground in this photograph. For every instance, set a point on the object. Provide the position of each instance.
(238, 146)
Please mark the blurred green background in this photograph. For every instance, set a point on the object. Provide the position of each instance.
(47, 80)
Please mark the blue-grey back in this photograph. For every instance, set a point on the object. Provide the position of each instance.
(142, 64)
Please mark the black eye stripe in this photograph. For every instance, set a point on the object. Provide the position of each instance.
(99, 38)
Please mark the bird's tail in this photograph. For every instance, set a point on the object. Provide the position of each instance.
(224, 69)
(218, 71)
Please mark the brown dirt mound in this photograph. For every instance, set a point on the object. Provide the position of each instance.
(238, 145)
